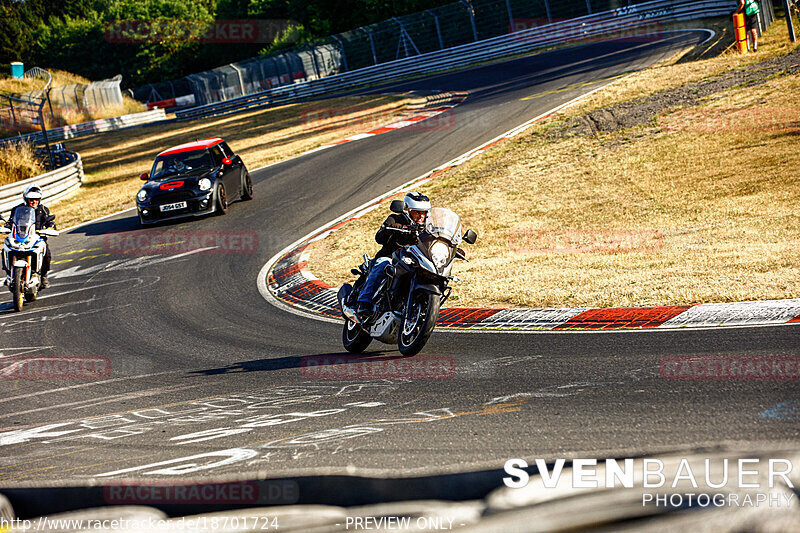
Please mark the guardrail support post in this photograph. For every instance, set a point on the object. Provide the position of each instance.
(471, 19)
(787, 11)
(50, 104)
(371, 45)
(510, 17)
(46, 141)
(588, 7)
(405, 39)
(547, 9)
(13, 116)
(314, 61)
(341, 49)
(239, 74)
(438, 29)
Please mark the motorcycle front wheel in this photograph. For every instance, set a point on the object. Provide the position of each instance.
(418, 324)
(16, 289)
(354, 338)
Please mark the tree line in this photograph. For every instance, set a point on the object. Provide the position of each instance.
(149, 41)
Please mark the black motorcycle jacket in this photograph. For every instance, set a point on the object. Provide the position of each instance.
(41, 216)
(393, 240)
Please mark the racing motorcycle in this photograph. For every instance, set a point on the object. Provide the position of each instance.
(417, 283)
(23, 251)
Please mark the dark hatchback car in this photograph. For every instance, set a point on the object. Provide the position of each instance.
(193, 179)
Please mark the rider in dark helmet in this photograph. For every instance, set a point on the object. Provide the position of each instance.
(415, 212)
(32, 197)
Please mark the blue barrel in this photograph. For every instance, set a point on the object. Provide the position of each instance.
(17, 70)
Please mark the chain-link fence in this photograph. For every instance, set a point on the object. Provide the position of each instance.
(92, 96)
(427, 31)
(27, 113)
(20, 116)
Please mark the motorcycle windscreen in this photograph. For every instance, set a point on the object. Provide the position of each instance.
(444, 224)
(24, 221)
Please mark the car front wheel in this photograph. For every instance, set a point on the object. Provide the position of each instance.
(222, 200)
(247, 187)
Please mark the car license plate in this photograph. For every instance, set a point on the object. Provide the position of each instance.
(173, 207)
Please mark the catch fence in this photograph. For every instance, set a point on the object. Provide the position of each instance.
(416, 35)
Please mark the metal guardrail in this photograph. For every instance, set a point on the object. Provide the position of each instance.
(620, 20)
(55, 185)
(88, 128)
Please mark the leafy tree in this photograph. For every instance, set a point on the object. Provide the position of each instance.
(74, 34)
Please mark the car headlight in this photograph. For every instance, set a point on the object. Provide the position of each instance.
(142, 195)
(440, 253)
(204, 184)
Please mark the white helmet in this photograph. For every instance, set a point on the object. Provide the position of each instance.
(33, 192)
(415, 201)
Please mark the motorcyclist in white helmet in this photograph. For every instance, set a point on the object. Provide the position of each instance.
(415, 213)
(32, 197)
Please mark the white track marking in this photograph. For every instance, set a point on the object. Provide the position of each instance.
(35, 310)
(28, 349)
(90, 287)
(186, 465)
(84, 385)
(92, 402)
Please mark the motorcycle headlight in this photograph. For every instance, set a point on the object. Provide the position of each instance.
(204, 184)
(142, 195)
(440, 253)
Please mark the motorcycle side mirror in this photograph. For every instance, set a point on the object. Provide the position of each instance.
(470, 236)
(144, 176)
(397, 206)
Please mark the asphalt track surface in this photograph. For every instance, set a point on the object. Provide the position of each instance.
(201, 364)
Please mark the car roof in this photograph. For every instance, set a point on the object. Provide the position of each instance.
(188, 147)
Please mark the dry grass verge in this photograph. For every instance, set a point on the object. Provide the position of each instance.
(18, 162)
(700, 207)
(113, 161)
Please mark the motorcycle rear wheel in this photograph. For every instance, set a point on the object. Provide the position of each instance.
(354, 338)
(415, 334)
(16, 289)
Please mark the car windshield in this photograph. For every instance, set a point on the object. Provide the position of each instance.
(167, 165)
(24, 218)
(444, 224)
